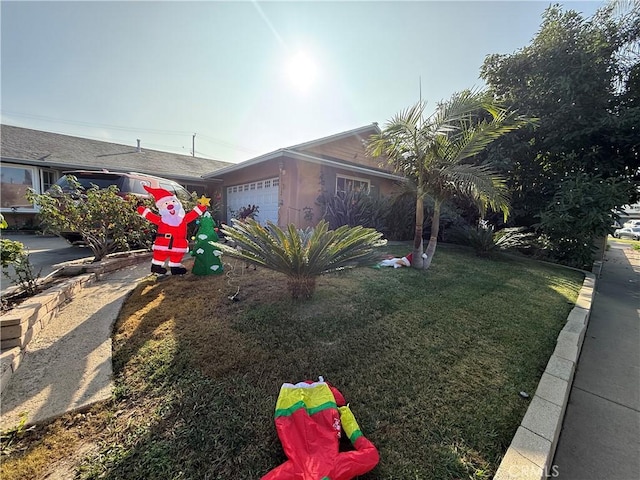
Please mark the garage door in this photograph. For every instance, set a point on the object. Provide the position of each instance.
(263, 193)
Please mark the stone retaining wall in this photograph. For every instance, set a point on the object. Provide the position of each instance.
(23, 323)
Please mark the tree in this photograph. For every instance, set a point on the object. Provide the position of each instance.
(437, 154)
(106, 221)
(581, 209)
(580, 79)
(302, 255)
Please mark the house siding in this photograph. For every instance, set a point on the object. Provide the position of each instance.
(350, 149)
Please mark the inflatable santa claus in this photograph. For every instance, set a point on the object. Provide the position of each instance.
(171, 240)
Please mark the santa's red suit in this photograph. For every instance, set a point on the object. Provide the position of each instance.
(171, 240)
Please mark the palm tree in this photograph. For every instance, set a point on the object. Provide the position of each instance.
(302, 255)
(435, 153)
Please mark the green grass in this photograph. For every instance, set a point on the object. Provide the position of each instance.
(431, 363)
(635, 244)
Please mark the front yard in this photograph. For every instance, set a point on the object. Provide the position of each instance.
(431, 363)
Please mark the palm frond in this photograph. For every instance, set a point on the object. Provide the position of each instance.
(302, 255)
(481, 184)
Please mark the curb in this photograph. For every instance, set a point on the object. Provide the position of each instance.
(22, 324)
(530, 455)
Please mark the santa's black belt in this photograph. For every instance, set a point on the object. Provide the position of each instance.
(166, 235)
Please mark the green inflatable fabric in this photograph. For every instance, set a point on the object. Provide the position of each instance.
(208, 259)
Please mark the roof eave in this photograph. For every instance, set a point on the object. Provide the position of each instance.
(304, 157)
(247, 163)
(346, 166)
(77, 166)
(337, 136)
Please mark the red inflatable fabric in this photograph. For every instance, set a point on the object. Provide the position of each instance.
(309, 424)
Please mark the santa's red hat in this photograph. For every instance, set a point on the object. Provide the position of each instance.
(406, 260)
(159, 194)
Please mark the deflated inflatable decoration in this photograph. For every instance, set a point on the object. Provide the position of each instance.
(310, 418)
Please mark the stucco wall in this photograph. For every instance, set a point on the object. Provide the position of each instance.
(300, 206)
(262, 171)
(301, 183)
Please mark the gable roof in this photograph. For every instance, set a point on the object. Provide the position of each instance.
(361, 132)
(298, 152)
(54, 150)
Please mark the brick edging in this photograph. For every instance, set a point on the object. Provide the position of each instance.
(22, 324)
(530, 455)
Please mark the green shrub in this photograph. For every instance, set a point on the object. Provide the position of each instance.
(17, 267)
(484, 239)
(106, 221)
(353, 208)
(302, 255)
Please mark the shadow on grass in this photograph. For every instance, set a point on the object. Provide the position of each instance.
(431, 363)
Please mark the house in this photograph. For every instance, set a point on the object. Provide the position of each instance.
(284, 184)
(37, 159)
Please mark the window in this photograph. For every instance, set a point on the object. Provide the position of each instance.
(199, 189)
(177, 189)
(14, 182)
(248, 187)
(48, 178)
(346, 184)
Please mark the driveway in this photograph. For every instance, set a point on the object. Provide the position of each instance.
(45, 251)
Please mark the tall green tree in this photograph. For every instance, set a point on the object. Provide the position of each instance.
(437, 153)
(580, 78)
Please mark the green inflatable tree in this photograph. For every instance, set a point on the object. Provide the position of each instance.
(207, 255)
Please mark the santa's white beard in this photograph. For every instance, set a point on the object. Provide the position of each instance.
(175, 219)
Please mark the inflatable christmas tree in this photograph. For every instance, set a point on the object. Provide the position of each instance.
(208, 259)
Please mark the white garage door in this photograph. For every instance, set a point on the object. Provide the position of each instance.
(264, 194)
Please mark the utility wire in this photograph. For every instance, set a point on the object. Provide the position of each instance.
(132, 130)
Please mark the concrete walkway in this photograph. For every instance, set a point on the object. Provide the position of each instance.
(67, 366)
(600, 437)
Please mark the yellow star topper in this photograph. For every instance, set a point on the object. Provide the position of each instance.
(206, 201)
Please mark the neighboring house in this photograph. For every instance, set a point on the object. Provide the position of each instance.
(36, 159)
(284, 184)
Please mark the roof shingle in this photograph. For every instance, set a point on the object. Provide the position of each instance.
(66, 152)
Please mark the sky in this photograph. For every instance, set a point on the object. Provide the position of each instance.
(245, 77)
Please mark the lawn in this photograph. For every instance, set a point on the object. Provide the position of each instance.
(635, 244)
(431, 363)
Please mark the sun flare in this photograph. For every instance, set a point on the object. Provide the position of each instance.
(301, 71)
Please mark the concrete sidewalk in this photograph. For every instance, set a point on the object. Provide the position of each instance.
(600, 437)
(67, 366)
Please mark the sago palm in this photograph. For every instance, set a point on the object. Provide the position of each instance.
(435, 153)
(302, 255)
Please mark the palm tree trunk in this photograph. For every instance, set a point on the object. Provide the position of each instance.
(433, 239)
(417, 260)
